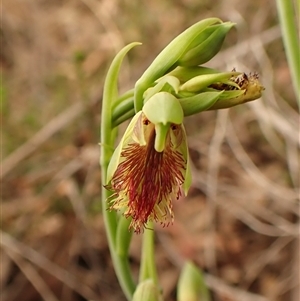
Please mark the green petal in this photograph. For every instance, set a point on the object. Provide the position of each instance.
(185, 151)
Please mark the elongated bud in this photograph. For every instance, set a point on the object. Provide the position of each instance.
(147, 291)
(169, 57)
(209, 43)
(191, 285)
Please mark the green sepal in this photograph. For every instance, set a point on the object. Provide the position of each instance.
(116, 157)
(163, 108)
(188, 173)
(200, 102)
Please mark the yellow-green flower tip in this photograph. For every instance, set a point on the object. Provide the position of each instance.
(191, 285)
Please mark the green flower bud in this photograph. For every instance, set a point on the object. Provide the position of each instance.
(147, 291)
(208, 44)
(191, 285)
(170, 56)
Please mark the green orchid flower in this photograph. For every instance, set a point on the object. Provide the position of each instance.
(150, 167)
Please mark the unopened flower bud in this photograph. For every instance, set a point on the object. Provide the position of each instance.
(207, 45)
(189, 46)
(191, 285)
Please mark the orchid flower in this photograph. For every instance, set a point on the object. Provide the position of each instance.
(149, 169)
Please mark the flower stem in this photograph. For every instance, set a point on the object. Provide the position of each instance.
(148, 268)
(287, 16)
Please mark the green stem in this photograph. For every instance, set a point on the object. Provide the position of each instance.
(286, 12)
(148, 268)
(123, 108)
(123, 98)
(125, 116)
(110, 94)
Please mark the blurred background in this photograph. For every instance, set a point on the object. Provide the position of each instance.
(240, 222)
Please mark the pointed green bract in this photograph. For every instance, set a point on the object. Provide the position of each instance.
(191, 285)
(110, 95)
